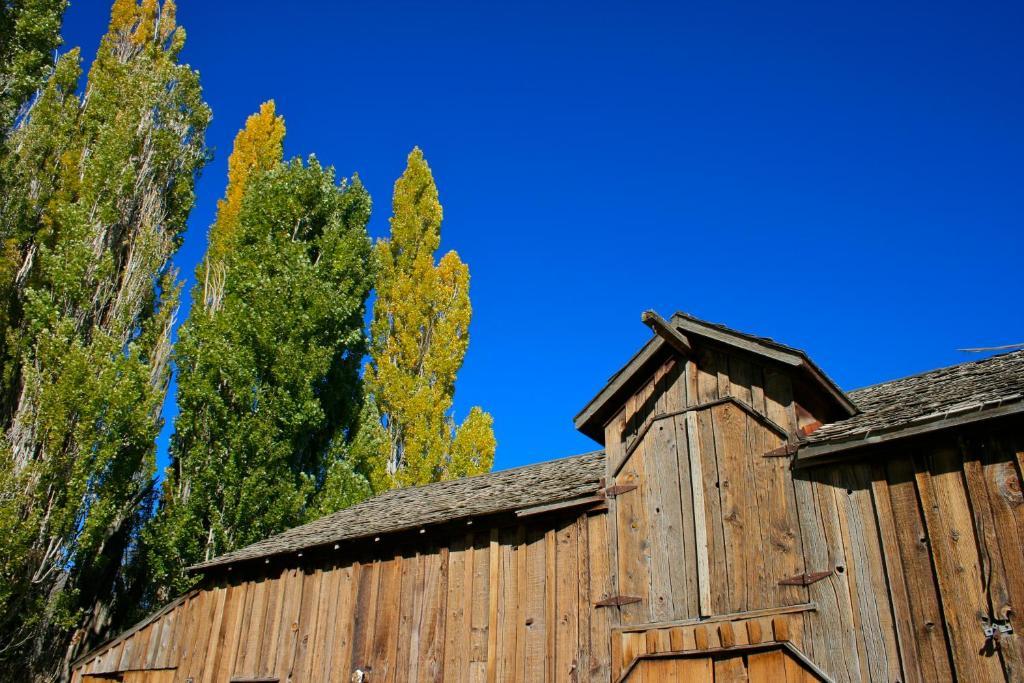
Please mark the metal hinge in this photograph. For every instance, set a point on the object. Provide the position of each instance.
(617, 601)
(996, 628)
(806, 579)
(618, 490)
(783, 451)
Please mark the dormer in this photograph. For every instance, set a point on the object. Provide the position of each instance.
(742, 366)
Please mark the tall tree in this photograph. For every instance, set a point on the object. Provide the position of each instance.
(420, 333)
(29, 34)
(268, 383)
(98, 194)
(258, 147)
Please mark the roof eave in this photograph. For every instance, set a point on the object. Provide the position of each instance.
(794, 358)
(830, 451)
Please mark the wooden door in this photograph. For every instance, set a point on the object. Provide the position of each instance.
(777, 665)
(157, 676)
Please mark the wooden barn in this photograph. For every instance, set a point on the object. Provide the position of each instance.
(745, 519)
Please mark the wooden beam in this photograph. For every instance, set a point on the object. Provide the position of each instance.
(560, 505)
(732, 616)
(673, 337)
(700, 526)
(749, 410)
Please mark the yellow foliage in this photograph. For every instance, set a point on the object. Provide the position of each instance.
(147, 21)
(258, 147)
(123, 15)
(142, 21)
(420, 333)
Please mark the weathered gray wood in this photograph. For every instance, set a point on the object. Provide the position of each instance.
(699, 515)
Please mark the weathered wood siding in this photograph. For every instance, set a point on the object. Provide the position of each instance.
(715, 552)
(712, 526)
(921, 543)
(512, 603)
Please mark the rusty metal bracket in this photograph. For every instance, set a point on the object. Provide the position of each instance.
(806, 579)
(618, 490)
(783, 451)
(617, 601)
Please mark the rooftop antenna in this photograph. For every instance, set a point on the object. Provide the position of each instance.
(984, 349)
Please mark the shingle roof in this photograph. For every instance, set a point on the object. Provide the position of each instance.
(920, 399)
(930, 397)
(410, 508)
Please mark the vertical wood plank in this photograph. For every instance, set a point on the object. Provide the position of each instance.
(583, 604)
(407, 654)
(509, 619)
(494, 598)
(567, 607)
(247, 660)
(700, 522)
(388, 607)
(433, 632)
(950, 527)
(535, 653)
(896, 579)
(601, 588)
(455, 649)
(929, 635)
(767, 666)
(366, 583)
(327, 625)
(738, 495)
(305, 624)
(671, 559)
(341, 656)
(830, 637)
(996, 500)
(550, 604)
(478, 634)
(633, 539)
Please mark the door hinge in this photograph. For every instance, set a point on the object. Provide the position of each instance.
(617, 601)
(783, 451)
(618, 490)
(806, 579)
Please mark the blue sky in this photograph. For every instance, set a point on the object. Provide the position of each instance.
(844, 177)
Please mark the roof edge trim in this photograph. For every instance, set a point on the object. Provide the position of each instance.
(827, 452)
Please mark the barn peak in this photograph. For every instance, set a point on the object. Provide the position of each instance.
(686, 336)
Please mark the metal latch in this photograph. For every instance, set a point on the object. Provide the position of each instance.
(996, 628)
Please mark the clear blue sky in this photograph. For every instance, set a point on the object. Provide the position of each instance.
(847, 178)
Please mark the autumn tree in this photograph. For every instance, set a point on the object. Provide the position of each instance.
(259, 147)
(268, 373)
(420, 333)
(97, 191)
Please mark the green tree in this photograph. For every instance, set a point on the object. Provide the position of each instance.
(420, 333)
(29, 34)
(258, 147)
(99, 189)
(268, 384)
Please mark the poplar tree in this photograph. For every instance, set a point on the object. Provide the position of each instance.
(29, 34)
(258, 147)
(268, 370)
(420, 333)
(98, 188)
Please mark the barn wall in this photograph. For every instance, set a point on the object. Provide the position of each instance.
(920, 544)
(512, 603)
(907, 551)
